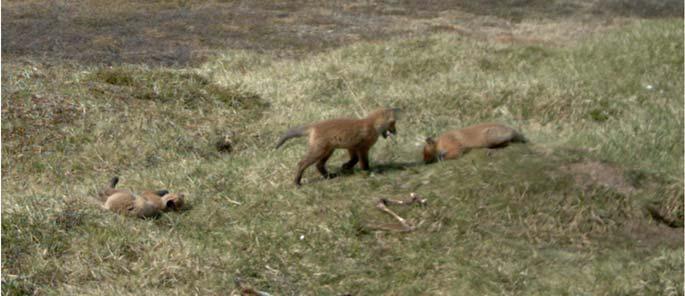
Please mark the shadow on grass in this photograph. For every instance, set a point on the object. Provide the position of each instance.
(395, 166)
(380, 169)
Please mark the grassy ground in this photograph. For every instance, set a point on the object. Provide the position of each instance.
(181, 33)
(567, 214)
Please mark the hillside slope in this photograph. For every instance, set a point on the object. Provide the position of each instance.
(566, 214)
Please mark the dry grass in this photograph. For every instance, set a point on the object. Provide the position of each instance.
(179, 33)
(566, 214)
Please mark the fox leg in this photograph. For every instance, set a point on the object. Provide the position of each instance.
(353, 160)
(321, 165)
(301, 166)
(364, 159)
(313, 155)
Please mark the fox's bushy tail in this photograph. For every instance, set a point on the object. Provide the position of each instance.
(105, 192)
(292, 133)
(519, 137)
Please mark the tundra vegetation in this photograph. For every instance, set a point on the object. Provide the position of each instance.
(592, 205)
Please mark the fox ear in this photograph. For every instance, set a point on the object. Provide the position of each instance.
(430, 140)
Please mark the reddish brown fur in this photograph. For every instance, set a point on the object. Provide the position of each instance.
(147, 204)
(355, 135)
(453, 144)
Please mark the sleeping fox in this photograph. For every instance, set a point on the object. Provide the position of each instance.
(147, 204)
(355, 135)
(453, 144)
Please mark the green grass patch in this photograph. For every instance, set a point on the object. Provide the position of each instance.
(567, 213)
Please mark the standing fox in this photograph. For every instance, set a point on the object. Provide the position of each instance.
(453, 144)
(147, 204)
(355, 135)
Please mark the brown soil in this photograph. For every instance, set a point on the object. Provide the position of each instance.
(652, 235)
(178, 33)
(591, 173)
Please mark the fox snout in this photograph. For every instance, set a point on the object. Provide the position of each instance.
(391, 131)
(430, 151)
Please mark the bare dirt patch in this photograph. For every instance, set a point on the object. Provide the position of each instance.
(178, 33)
(590, 173)
(666, 209)
(652, 235)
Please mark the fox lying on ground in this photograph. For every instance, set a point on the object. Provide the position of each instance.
(453, 144)
(147, 204)
(355, 135)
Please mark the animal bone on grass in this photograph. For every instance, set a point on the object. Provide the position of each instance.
(246, 290)
(383, 203)
(415, 198)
